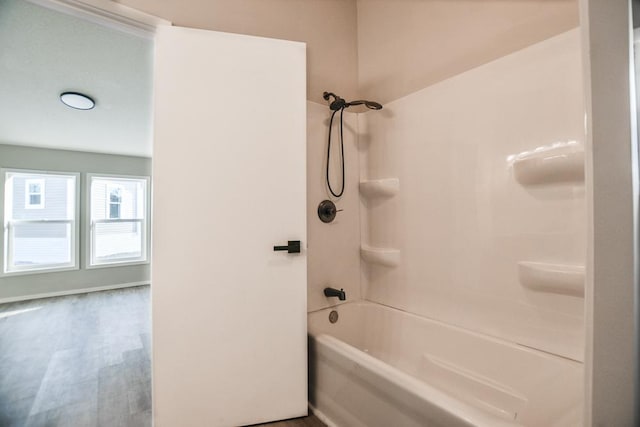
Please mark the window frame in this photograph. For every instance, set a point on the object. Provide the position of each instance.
(146, 223)
(28, 193)
(5, 252)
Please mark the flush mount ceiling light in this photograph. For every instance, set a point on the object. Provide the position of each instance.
(77, 100)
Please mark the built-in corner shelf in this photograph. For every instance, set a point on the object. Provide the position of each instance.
(559, 163)
(383, 256)
(380, 188)
(552, 278)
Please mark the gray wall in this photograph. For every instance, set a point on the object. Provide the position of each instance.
(72, 161)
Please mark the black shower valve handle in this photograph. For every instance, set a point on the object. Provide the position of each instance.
(327, 211)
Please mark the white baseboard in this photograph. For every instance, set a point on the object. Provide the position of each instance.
(322, 417)
(72, 292)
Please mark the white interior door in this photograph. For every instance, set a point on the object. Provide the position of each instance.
(229, 170)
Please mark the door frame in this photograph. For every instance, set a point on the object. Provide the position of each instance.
(612, 293)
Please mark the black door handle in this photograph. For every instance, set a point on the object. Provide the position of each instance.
(293, 247)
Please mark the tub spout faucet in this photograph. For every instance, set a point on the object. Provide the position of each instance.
(331, 292)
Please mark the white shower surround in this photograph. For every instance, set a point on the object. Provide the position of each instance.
(464, 219)
(451, 333)
(378, 367)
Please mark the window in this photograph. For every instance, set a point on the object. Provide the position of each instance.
(40, 229)
(34, 194)
(118, 212)
(115, 202)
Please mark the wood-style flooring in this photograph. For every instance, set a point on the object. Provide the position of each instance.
(81, 360)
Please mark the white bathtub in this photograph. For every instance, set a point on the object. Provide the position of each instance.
(377, 366)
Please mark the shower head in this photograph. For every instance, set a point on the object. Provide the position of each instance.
(369, 104)
(339, 103)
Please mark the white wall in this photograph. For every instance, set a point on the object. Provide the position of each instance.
(334, 257)
(612, 179)
(406, 45)
(461, 220)
(381, 49)
(328, 27)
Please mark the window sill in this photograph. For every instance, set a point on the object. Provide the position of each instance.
(117, 264)
(39, 271)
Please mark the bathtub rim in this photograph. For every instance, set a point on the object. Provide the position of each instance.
(491, 338)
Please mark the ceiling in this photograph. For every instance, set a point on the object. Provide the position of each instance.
(44, 53)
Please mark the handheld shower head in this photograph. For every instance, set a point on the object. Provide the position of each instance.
(369, 104)
(373, 105)
(339, 103)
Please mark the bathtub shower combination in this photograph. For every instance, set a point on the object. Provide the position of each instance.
(469, 309)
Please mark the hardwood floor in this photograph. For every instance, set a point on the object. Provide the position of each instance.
(81, 360)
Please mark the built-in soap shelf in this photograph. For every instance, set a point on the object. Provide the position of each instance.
(379, 188)
(558, 163)
(552, 278)
(388, 257)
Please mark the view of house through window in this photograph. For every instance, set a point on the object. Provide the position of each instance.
(115, 202)
(118, 220)
(39, 221)
(34, 194)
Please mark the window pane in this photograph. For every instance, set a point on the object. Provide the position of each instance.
(114, 211)
(117, 241)
(39, 245)
(116, 195)
(39, 211)
(56, 196)
(118, 220)
(130, 194)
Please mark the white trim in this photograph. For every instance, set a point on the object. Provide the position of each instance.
(322, 416)
(146, 229)
(74, 291)
(611, 184)
(50, 269)
(75, 229)
(123, 263)
(108, 14)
